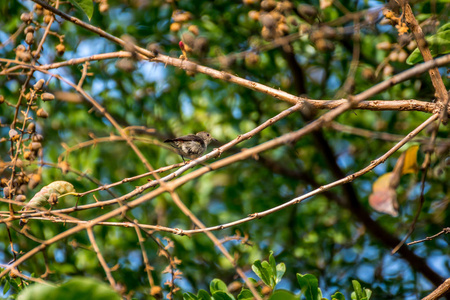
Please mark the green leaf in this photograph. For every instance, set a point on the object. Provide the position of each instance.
(219, 295)
(245, 294)
(438, 44)
(281, 269)
(319, 292)
(368, 293)
(86, 6)
(443, 28)
(217, 285)
(358, 290)
(263, 270)
(189, 296)
(272, 263)
(309, 285)
(203, 295)
(338, 296)
(6, 287)
(74, 289)
(283, 295)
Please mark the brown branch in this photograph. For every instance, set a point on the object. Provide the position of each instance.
(429, 238)
(436, 79)
(390, 137)
(374, 105)
(441, 290)
(100, 257)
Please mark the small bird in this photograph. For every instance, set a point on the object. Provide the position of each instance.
(191, 146)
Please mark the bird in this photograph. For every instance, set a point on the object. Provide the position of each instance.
(191, 146)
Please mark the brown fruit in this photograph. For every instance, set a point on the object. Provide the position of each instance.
(31, 128)
(268, 5)
(402, 56)
(24, 56)
(47, 19)
(64, 166)
(29, 29)
(175, 27)
(307, 11)
(41, 113)
(388, 70)
(193, 29)
(38, 9)
(254, 15)
(47, 97)
(60, 49)
(34, 181)
(29, 38)
(28, 155)
(6, 192)
(19, 163)
(35, 146)
(38, 85)
(155, 290)
(37, 138)
(393, 56)
(267, 20)
(180, 16)
(14, 135)
(384, 46)
(22, 190)
(267, 34)
(282, 29)
(26, 17)
(20, 198)
(103, 7)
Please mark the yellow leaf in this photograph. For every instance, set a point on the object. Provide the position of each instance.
(410, 163)
(382, 183)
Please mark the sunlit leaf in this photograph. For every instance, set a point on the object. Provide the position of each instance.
(245, 294)
(337, 296)
(86, 6)
(309, 285)
(74, 289)
(438, 43)
(217, 285)
(382, 183)
(283, 295)
(410, 161)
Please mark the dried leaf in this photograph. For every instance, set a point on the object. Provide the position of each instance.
(57, 187)
(410, 163)
(382, 183)
(397, 172)
(385, 202)
(384, 198)
(48, 193)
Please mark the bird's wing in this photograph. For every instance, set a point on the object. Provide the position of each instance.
(186, 138)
